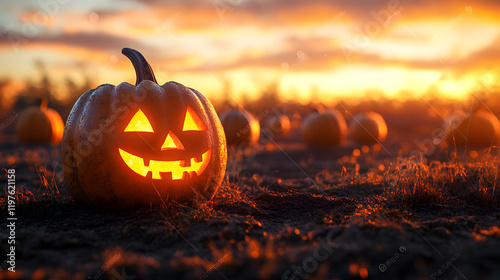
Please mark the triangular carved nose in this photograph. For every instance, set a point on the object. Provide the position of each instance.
(172, 142)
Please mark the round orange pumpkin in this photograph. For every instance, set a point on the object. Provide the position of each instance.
(278, 124)
(40, 125)
(240, 127)
(480, 128)
(368, 128)
(130, 146)
(327, 128)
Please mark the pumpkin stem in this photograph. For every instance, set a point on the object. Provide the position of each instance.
(142, 68)
(320, 108)
(43, 104)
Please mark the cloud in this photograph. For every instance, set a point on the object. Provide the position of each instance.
(277, 13)
(483, 59)
(101, 42)
(327, 57)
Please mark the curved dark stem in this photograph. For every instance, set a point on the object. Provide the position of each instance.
(142, 68)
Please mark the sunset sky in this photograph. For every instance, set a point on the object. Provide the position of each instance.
(333, 48)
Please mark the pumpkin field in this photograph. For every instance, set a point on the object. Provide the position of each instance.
(401, 209)
(247, 139)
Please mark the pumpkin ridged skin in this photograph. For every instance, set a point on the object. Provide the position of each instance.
(39, 126)
(93, 168)
(481, 129)
(368, 128)
(240, 127)
(324, 129)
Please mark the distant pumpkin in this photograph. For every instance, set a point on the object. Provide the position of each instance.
(40, 125)
(368, 128)
(130, 146)
(278, 124)
(480, 128)
(327, 128)
(240, 127)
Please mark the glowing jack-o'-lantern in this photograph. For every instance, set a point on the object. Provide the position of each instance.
(127, 146)
(178, 168)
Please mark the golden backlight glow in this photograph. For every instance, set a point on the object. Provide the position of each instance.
(192, 122)
(175, 167)
(139, 123)
(336, 50)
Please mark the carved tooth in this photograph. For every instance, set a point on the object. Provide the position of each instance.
(182, 163)
(166, 176)
(146, 161)
(187, 163)
(185, 175)
(198, 158)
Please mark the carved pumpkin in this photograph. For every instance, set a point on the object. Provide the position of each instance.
(327, 128)
(240, 127)
(480, 128)
(278, 124)
(368, 128)
(127, 146)
(40, 125)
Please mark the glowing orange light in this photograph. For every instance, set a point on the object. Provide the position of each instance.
(363, 272)
(179, 169)
(192, 121)
(139, 123)
(175, 167)
(172, 143)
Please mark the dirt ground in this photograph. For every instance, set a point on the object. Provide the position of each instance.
(285, 211)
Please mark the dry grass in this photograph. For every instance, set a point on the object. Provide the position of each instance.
(409, 183)
(417, 181)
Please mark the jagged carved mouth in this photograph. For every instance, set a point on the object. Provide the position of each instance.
(178, 169)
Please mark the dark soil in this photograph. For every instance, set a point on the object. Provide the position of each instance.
(285, 211)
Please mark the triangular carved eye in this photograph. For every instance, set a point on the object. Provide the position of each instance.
(192, 121)
(139, 123)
